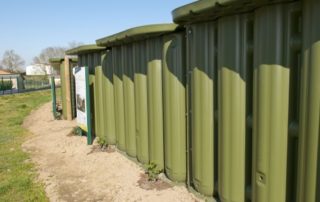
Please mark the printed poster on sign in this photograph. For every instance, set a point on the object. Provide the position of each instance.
(82, 111)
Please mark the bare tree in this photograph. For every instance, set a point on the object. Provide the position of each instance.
(12, 61)
(74, 44)
(53, 52)
(47, 53)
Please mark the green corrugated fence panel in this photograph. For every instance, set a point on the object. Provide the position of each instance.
(276, 29)
(201, 61)
(141, 101)
(99, 104)
(73, 92)
(234, 38)
(155, 104)
(174, 107)
(108, 98)
(82, 60)
(309, 166)
(128, 97)
(270, 128)
(118, 98)
(63, 90)
(92, 103)
(96, 112)
(90, 63)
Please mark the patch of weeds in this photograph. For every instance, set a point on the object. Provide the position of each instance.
(152, 171)
(75, 131)
(58, 115)
(146, 184)
(23, 106)
(102, 142)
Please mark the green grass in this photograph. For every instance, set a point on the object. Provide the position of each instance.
(17, 174)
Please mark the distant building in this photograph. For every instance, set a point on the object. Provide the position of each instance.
(39, 69)
(5, 72)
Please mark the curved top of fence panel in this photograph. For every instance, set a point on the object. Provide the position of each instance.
(84, 49)
(59, 60)
(205, 10)
(136, 34)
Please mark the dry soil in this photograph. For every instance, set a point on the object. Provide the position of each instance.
(73, 171)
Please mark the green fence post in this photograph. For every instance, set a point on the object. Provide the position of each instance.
(89, 127)
(53, 94)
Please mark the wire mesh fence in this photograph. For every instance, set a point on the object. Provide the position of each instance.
(18, 84)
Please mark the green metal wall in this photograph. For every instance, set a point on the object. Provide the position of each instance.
(309, 149)
(108, 98)
(92, 103)
(243, 102)
(154, 47)
(201, 61)
(63, 91)
(270, 104)
(238, 118)
(174, 96)
(98, 103)
(119, 97)
(129, 99)
(141, 103)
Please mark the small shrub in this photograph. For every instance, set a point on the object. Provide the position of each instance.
(102, 142)
(23, 106)
(58, 115)
(76, 131)
(152, 171)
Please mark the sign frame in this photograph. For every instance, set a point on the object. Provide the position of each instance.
(87, 105)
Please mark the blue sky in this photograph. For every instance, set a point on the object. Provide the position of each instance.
(28, 26)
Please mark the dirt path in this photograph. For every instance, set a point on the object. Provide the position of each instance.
(73, 171)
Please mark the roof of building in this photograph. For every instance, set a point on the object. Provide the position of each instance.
(2, 71)
(137, 33)
(84, 49)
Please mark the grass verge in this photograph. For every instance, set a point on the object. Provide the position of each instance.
(17, 173)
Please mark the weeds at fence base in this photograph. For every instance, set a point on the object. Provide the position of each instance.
(102, 142)
(146, 184)
(58, 116)
(152, 171)
(76, 131)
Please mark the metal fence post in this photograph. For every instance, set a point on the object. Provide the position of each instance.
(10, 83)
(53, 94)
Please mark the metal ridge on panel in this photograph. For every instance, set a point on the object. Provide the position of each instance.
(84, 49)
(137, 33)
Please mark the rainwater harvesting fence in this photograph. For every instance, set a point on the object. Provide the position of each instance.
(227, 101)
(253, 91)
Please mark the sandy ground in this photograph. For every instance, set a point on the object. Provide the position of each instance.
(73, 171)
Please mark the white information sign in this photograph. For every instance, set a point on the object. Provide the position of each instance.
(82, 111)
